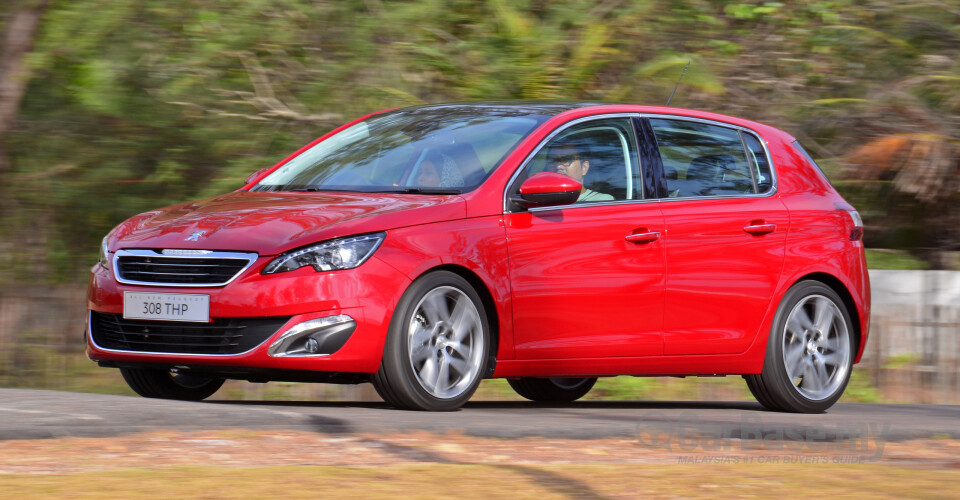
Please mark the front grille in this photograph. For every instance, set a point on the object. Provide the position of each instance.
(223, 336)
(148, 267)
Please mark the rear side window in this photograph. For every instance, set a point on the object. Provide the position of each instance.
(700, 159)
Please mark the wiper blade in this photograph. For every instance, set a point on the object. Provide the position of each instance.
(418, 190)
(315, 189)
(404, 190)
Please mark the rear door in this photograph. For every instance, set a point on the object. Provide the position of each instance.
(725, 235)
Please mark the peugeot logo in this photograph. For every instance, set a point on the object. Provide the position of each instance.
(195, 236)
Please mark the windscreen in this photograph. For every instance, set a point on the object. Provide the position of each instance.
(445, 150)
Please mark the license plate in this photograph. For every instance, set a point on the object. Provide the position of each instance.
(167, 306)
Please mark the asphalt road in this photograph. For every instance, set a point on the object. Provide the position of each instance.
(33, 414)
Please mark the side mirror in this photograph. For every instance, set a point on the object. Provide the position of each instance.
(254, 176)
(547, 189)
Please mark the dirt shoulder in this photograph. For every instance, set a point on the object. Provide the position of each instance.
(299, 464)
(243, 448)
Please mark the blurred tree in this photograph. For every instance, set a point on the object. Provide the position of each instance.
(19, 31)
(923, 173)
(134, 104)
(20, 26)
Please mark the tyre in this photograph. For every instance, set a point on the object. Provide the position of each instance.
(164, 384)
(437, 345)
(810, 352)
(552, 390)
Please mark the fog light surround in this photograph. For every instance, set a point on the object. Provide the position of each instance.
(314, 337)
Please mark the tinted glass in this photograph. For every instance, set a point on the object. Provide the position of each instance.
(442, 149)
(700, 159)
(600, 154)
(761, 165)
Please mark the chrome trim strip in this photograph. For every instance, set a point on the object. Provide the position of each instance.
(529, 158)
(250, 257)
(308, 327)
(174, 354)
(774, 185)
(591, 204)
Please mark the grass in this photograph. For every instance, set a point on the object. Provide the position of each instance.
(671, 389)
(860, 390)
(880, 258)
(489, 481)
(75, 373)
(42, 367)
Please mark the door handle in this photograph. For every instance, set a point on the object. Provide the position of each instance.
(643, 237)
(759, 229)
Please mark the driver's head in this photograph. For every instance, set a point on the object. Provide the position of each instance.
(566, 157)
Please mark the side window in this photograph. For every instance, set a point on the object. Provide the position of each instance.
(600, 154)
(700, 159)
(760, 163)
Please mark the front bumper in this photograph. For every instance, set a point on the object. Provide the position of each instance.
(366, 295)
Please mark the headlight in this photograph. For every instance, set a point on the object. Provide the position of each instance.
(104, 254)
(333, 255)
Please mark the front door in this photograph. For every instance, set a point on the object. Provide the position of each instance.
(587, 279)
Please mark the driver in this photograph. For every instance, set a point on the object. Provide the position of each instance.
(565, 158)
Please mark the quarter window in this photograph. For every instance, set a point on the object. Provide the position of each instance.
(700, 159)
(759, 162)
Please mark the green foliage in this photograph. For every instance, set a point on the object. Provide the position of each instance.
(861, 390)
(671, 66)
(900, 361)
(893, 259)
(752, 11)
(625, 388)
(136, 104)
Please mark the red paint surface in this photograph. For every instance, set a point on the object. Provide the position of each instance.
(570, 294)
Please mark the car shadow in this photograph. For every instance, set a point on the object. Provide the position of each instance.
(311, 404)
(521, 405)
(622, 405)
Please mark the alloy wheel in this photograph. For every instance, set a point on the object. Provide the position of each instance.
(816, 347)
(445, 339)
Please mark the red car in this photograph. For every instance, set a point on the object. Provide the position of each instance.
(424, 249)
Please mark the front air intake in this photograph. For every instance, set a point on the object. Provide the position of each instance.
(224, 336)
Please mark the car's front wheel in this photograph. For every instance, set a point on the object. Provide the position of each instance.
(552, 390)
(810, 352)
(165, 384)
(436, 349)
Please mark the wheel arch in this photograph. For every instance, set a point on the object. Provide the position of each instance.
(838, 286)
(489, 305)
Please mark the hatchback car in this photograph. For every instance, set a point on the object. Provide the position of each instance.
(424, 249)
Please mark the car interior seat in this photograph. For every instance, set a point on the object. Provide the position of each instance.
(470, 170)
(716, 175)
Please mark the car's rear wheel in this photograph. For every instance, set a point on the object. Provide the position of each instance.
(436, 349)
(165, 384)
(810, 352)
(552, 390)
